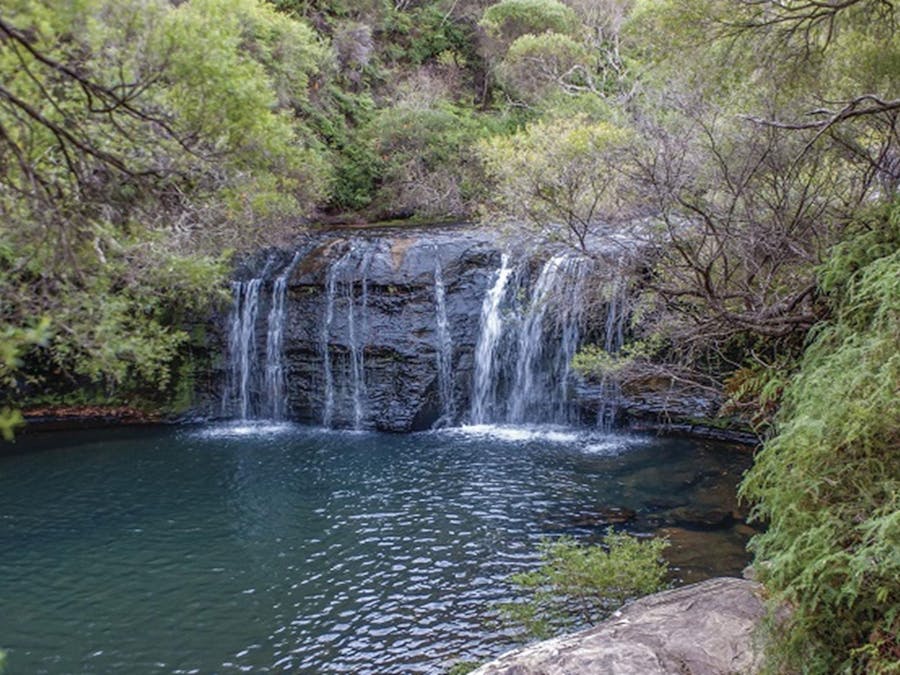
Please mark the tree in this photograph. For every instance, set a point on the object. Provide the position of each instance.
(558, 179)
(511, 19)
(135, 143)
(538, 47)
(427, 165)
(534, 64)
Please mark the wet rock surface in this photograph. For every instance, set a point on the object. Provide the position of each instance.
(379, 291)
(702, 629)
(659, 405)
(364, 347)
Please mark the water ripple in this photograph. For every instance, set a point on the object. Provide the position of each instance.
(261, 548)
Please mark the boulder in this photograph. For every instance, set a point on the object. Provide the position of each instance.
(702, 629)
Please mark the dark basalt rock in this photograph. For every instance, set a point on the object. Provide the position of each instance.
(397, 332)
(390, 272)
(660, 406)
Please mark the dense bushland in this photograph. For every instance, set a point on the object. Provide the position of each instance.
(140, 142)
(828, 482)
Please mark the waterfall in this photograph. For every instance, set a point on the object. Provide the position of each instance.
(325, 337)
(491, 330)
(242, 345)
(274, 401)
(569, 324)
(252, 392)
(614, 338)
(356, 335)
(530, 323)
(444, 349)
(547, 341)
(526, 392)
(341, 292)
(234, 341)
(242, 379)
(526, 354)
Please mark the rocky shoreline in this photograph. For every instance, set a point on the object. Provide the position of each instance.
(66, 418)
(707, 628)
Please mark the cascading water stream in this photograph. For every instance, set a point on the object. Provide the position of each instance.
(273, 405)
(569, 323)
(341, 294)
(444, 349)
(547, 340)
(325, 338)
(234, 341)
(356, 335)
(531, 323)
(485, 385)
(242, 352)
(529, 334)
(249, 307)
(526, 393)
(614, 338)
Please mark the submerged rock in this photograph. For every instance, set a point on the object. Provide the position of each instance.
(696, 555)
(603, 516)
(702, 629)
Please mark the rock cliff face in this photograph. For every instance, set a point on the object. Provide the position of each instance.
(400, 329)
(659, 405)
(358, 329)
(375, 299)
(703, 629)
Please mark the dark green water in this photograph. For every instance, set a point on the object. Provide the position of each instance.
(239, 549)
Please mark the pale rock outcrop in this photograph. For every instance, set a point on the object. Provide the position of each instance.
(706, 628)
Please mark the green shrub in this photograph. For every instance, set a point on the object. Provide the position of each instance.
(13, 343)
(536, 64)
(578, 585)
(428, 161)
(510, 19)
(829, 483)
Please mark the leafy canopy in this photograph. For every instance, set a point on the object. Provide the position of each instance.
(139, 140)
(511, 19)
(556, 179)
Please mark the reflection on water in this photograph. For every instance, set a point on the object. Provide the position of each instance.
(274, 547)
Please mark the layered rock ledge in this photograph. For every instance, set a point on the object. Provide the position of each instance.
(706, 628)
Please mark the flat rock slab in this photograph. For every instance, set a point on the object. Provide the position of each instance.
(702, 629)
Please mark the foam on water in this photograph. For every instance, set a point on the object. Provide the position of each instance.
(520, 433)
(244, 429)
(589, 441)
